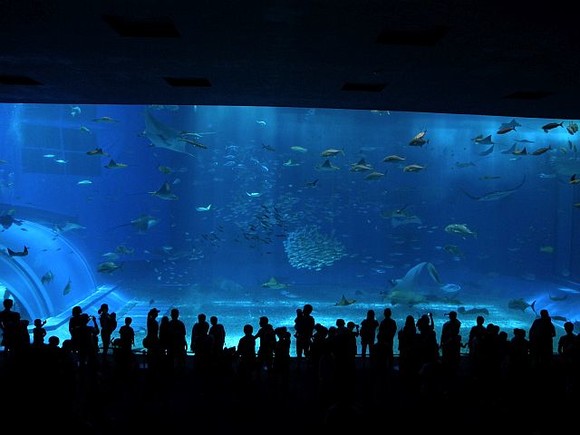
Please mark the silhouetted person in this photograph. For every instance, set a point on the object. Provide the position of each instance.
(568, 353)
(266, 343)
(368, 332)
(542, 333)
(108, 323)
(199, 331)
(304, 325)
(518, 362)
(9, 322)
(408, 356)
(427, 350)
(176, 341)
(385, 341)
(88, 342)
(218, 332)
(246, 356)
(38, 333)
(451, 343)
(281, 363)
(75, 322)
(474, 343)
(125, 359)
(151, 341)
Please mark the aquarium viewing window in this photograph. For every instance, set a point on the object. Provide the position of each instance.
(242, 212)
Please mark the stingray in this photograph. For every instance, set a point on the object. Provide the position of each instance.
(496, 194)
(164, 192)
(142, 223)
(487, 151)
(163, 136)
(343, 302)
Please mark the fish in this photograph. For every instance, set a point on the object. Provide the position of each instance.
(460, 229)
(206, 208)
(142, 223)
(273, 283)
(374, 176)
(343, 302)
(462, 310)
(75, 110)
(413, 168)
(107, 267)
(551, 125)
(84, 182)
(548, 249)
(254, 194)
(573, 179)
(290, 163)
(487, 151)
(67, 288)
(114, 165)
(163, 136)
(557, 298)
(510, 150)
(505, 129)
(97, 152)
(483, 140)
(68, 226)
(311, 183)
(22, 253)
(164, 192)
(541, 150)
(7, 220)
(106, 119)
(47, 278)
(327, 166)
(496, 194)
(520, 304)
(331, 152)
(193, 142)
(299, 149)
(393, 158)
(453, 250)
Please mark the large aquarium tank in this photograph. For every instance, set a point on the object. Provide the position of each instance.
(243, 212)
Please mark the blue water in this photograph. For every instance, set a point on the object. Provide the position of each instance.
(250, 198)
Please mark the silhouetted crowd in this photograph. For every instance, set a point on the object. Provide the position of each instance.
(96, 381)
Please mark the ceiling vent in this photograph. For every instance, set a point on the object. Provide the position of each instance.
(17, 80)
(187, 82)
(141, 27)
(413, 35)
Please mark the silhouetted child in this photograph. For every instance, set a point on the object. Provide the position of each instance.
(38, 333)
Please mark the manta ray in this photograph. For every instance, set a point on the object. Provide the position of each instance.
(496, 194)
(163, 136)
(164, 192)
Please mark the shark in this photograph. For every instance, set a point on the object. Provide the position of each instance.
(164, 136)
(497, 194)
(164, 192)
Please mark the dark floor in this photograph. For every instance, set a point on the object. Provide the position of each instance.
(111, 400)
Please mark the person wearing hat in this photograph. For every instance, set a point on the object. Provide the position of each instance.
(451, 343)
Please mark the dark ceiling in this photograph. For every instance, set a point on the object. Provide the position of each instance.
(450, 56)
